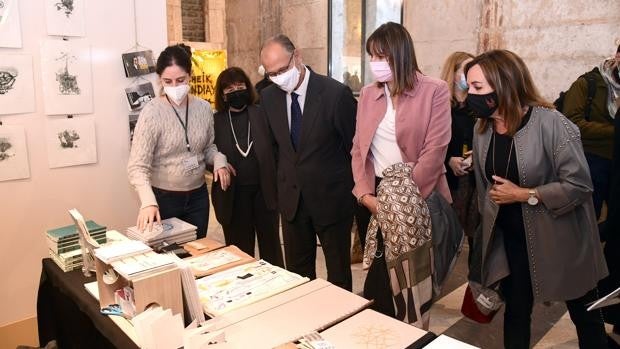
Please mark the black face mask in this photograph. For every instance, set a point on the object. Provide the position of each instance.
(238, 99)
(482, 106)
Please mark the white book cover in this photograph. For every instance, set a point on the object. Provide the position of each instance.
(244, 284)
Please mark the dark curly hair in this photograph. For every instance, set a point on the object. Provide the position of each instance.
(175, 55)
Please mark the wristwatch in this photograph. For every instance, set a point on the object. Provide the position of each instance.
(532, 200)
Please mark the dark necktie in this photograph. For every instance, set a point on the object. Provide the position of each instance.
(295, 120)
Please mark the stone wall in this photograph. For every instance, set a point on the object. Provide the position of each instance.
(249, 23)
(559, 40)
(193, 19)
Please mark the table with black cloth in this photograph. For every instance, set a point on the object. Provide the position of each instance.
(67, 313)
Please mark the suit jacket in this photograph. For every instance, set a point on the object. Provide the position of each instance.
(320, 169)
(223, 200)
(423, 132)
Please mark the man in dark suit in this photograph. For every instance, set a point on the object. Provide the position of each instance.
(312, 120)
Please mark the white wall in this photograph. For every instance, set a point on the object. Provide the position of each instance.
(100, 191)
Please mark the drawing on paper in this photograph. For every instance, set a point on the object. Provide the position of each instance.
(71, 142)
(5, 146)
(376, 337)
(7, 79)
(67, 83)
(68, 138)
(13, 153)
(66, 77)
(16, 84)
(66, 6)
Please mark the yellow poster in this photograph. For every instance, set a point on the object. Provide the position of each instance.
(206, 67)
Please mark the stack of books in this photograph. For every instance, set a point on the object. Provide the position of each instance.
(64, 245)
(171, 230)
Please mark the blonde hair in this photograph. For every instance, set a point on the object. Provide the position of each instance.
(450, 66)
(510, 78)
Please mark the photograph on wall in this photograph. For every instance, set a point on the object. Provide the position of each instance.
(13, 153)
(16, 84)
(206, 67)
(10, 27)
(133, 120)
(65, 17)
(138, 63)
(71, 141)
(66, 77)
(139, 95)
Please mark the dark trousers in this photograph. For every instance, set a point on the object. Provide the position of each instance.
(600, 171)
(300, 247)
(517, 292)
(252, 219)
(191, 207)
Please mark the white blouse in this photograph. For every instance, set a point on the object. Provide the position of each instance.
(384, 149)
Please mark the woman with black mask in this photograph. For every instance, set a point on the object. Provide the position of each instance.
(248, 208)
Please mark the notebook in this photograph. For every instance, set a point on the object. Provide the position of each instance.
(444, 341)
(370, 329)
(215, 261)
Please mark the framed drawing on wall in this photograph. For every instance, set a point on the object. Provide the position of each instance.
(16, 84)
(71, 142)
(65, 17)
(10, 26)
(13, 153)
(66, 77)
(350, 22)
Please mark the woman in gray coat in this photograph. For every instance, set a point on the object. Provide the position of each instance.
(539, 234)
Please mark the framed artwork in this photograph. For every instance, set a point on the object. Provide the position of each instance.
(71, 142)
(66, 77)
(10, 26)
(138, 63)
(16, 84)
(139, 95)
(13, 153)
(65, 17)
(350, 23)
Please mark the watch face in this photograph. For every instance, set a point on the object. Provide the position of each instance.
(532, 200)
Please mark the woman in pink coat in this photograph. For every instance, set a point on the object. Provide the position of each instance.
(403, 117)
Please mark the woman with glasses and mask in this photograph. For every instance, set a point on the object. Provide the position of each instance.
(173, 143)
(248, 209)
(539, 235)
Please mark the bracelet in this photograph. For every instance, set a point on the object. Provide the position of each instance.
(361, 199)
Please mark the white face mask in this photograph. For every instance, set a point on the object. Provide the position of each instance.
(177, 93)
(288, 80)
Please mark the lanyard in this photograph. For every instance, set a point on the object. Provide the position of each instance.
(184, 125)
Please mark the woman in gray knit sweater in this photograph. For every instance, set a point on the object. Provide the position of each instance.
(172, 145)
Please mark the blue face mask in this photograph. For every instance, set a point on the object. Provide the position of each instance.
(462, 83)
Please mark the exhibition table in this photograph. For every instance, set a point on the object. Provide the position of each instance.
(67, 313)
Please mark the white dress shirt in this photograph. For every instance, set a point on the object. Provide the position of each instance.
(384, 149)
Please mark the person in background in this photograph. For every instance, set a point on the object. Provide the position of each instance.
(403, 117)
(535, 197)
(172, 144)
(264, 82)
(597, 130)
(248, 209)
(312, 120)
(461, 179)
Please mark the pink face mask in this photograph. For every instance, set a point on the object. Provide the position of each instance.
(381, 71)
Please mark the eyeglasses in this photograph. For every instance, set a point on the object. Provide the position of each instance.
(281, 70)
